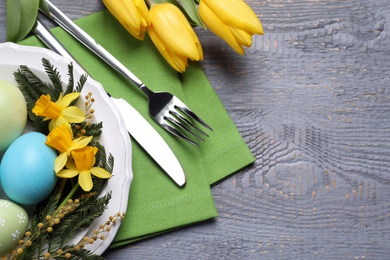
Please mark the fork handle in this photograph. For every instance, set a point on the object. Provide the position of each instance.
(67, 24)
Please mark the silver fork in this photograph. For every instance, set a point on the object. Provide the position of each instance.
(167, 110)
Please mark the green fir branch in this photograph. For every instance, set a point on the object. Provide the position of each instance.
(55, 79)
(94, 129)
(81, 254)
(70, 85)
(29, 84)
(84, 216)
(81, 82)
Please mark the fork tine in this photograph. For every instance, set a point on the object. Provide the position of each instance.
(182, 107)
(177, 133)
(189, 123)
(177, 123)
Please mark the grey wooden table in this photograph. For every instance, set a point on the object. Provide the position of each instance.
(311, 99)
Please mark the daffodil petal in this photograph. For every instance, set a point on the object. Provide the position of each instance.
(60, 162)
(67, 99)
(52, 124)
(67, 173)
(60, 97)
(85, 180)
(73, 114)
(80, 142)
(100, 172)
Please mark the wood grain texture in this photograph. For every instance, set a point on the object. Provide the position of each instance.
(311, 99)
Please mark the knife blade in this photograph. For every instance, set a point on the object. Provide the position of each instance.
(150, 140)
(138, 127)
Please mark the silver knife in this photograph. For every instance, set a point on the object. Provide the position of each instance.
(136, 125)
(150, 140)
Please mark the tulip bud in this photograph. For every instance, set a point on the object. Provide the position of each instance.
(132, 14)
(233, 21)
(173, 36)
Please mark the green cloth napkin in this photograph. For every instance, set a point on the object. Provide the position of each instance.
(156, 204)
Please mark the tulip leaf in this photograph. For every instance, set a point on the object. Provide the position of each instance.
(192, 12)
(13, 19)
(29, 12)
(44, 6)
(165, 1)
(21, 17)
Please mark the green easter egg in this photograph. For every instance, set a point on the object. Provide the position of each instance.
(13, 225)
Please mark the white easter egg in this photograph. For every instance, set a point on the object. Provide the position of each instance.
(13, 225)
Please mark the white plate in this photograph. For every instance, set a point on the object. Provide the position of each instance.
(114, 134)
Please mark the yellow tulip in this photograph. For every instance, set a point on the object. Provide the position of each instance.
(132, 14)
(173, 36)
(232, 20)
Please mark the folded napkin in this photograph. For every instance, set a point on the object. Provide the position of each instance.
(156, 204)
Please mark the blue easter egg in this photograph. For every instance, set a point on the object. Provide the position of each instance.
(27, 169)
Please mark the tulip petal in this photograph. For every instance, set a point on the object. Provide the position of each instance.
(242, 37)
(132, 14)
(174, 30)
(218, 27)
(143, 11)
(236, 13)
(179, 64)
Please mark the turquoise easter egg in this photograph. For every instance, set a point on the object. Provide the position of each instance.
(27, 169)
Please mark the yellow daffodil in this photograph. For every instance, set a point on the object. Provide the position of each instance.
(59, 111)
(233, 21)
(83, 165)
(132, 14)
(61, 139)
(173, 36)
